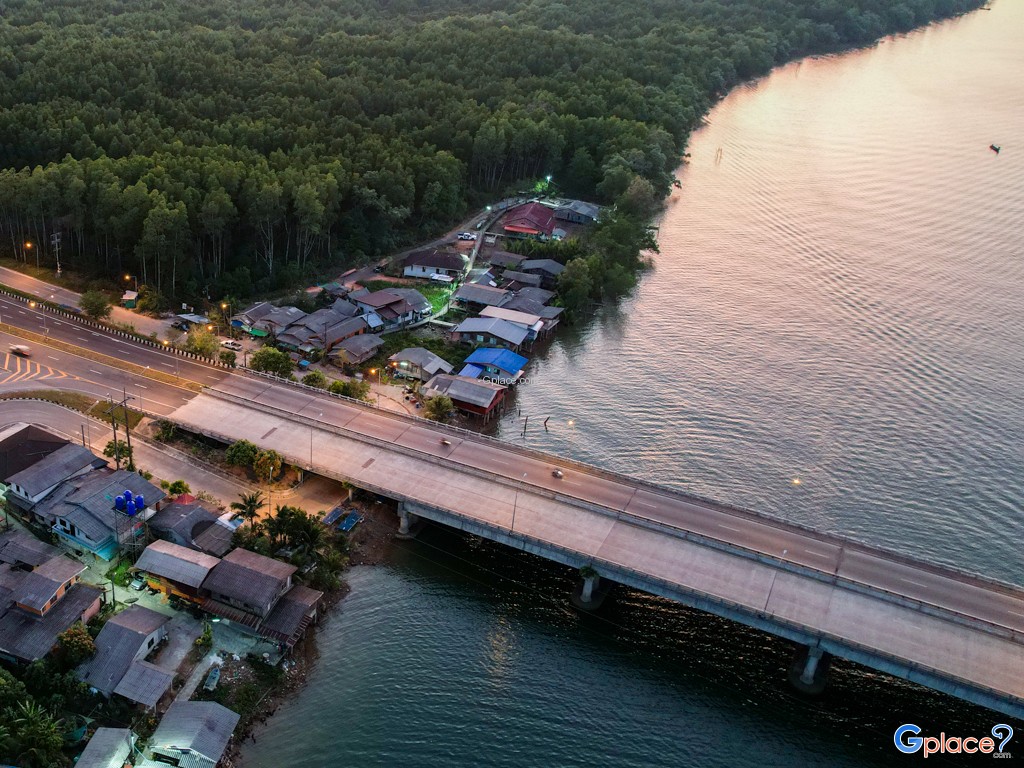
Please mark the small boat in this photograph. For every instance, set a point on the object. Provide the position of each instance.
(995, 148)
(213, 678)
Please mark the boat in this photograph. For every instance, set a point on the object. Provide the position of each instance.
(213, 678)
(995, 148)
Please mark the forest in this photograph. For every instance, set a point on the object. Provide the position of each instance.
(233, 147)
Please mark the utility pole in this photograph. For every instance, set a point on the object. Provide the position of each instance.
(55, 242)
(127, 430)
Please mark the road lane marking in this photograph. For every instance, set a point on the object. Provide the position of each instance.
(816, 554)
(95, 334)
(98, 373)
(53, 358)
(141, 386)
(728, 527)
(911, 581)
(167, 364)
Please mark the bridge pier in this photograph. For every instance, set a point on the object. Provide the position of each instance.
(408, 523)
(590, 591)
(809, 670)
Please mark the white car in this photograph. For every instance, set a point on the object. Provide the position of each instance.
(467, 236)
(233, 345)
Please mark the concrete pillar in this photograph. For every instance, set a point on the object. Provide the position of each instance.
(589, 583)
(406, 522)
(811, 665)
(809, 670)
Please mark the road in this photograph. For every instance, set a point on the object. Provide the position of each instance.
(847, 560)
(58, 295)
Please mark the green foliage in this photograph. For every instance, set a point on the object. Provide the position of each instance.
(166, 431)
(178, 487)
(228, 153)
(95, 304)
(201, 342)
(74, 645)
(205, 640)
(358, 390)
(241, 453)
(439, 408)
(118, 450)
(37, 736)
(315, 379)
(575, 285)
(228, 357)
(249, 505)
(266, 465)
(270, 360)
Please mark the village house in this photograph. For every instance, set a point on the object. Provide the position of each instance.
(392, 309)
(547, 269)
(356, 349)
(84, 511)
(577, 212)
(22, 445)
(418, 363)
(501, 366)
(246, 319)
(108, 748)
(430, 261)
(191, 734)
(513, 280)
(276, 321)
(31, 485)
(531, 220)
(24, 551)
(175, 570)
(333, 335)
(479, 398)
(474, 297)
(188, 523)
(505, 259)
(37, 605)
(490, 332)
(534, 325)
(119, 665)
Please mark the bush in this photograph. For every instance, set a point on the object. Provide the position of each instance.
(95, 304)
(241, 453)
(201, 342)
(266, 465)
(439, 408)
(74, 645)
(358, 390)
(229, 358)
(315, 379)
(270, 360)
(178, 487)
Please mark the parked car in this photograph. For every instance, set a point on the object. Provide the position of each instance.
(379, 268)
(466, 236)
(235, 345)
(138, 583)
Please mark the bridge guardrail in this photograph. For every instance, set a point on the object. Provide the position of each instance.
(662, 527)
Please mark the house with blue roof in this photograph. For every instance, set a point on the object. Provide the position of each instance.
(501, 366)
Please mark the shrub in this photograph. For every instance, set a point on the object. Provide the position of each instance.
(241, 453)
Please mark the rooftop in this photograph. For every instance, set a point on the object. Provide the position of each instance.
(249, 577)
(185, 520)
(144, 683)
(52, 469)
(118, 645)
(466, 390)
(423, 358)
(201, 726)
(214, 539)
(482, 294)
(108, 748)
(523, 278)
(21, 548)
(29, 637)
(499, 329)
(530, 219)
(550, 266)
(502, 359)
(176, 563)
(41, 585)
(358, 348)
(437, 259)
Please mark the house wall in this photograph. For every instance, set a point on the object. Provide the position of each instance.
(169, 587)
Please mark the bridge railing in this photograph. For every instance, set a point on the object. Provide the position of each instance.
(629, 518)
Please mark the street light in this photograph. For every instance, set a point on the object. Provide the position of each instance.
(28, 247)
(377, 371)
(135, 278)
(515, 503)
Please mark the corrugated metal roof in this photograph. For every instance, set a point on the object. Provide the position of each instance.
(108, 748)
(249, 578)
(39, 586)
(176, 563)
(503, 359)
(52, 469)
(29, 637)
(21, 548)
(471, 391)
(117, 646)
(482, 294)
(499, 329)
(201, 726)
(144, 683)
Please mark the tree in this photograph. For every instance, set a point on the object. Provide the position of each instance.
(266, 465)
(249, 506)
(315, 379)
(201, 342)
(74, 645)
(118, 450)
(229, 358)
(241, 453)
(178, 487)
(95, 304)
(357, 390)
(12, 690)
(270, 360)
(37, 736)
(575, 287)
(439, 408)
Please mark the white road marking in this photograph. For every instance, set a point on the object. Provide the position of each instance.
(816, 554)
(98, 373)
(167, 364)
(53, 358)
(95, 334)
(911, 581)
(142, 386)
(728, 527)
(646, 503)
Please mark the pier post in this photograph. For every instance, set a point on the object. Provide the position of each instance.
(587, 593)
(590, 591)
(809, 671)
(406, 522)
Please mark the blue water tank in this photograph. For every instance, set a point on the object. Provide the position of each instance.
(127, 495)
(140, 502)
(119, 503)
(130, 508)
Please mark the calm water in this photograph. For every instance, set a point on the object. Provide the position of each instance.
(840, 298)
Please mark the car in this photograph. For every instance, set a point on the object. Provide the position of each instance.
(69, 308)
(236, 346)
(379, 268)
(21, 349)
(138, 583)
(466, 236)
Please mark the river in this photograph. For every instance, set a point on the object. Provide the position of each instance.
(839, 300)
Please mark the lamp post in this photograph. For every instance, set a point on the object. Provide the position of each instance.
(135, 278)
(515, 503)
(377, 371)
(28, 247)
(224, 306)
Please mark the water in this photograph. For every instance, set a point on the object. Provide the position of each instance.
(839, 298)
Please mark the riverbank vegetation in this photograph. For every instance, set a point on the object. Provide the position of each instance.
(214, 150)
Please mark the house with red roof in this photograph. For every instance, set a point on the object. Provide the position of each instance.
(530, 220)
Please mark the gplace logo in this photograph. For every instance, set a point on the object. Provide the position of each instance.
(908, 741)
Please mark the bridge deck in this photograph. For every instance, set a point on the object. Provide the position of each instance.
(966, 628)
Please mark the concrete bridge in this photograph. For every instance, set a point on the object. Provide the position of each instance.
(952, 631)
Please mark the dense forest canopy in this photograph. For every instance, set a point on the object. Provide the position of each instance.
(227, 146)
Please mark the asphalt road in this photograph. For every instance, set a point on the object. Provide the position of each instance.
(846, 560)
(915, 581)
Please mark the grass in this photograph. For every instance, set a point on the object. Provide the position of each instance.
(102, 411)
(435, 293)
(73, 400)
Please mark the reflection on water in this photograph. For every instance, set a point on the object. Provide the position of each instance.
(838, 299)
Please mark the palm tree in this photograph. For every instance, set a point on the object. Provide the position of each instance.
(39, 733)
(250, 505)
